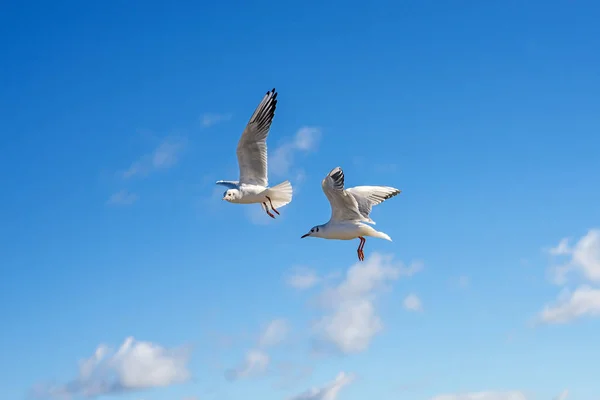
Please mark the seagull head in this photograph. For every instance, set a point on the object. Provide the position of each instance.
(315, 231)
(231, 195)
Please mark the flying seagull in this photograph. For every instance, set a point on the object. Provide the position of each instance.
(350, 209)
(253, 185)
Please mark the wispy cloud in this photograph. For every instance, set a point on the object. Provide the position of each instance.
(351, 320)
(274, 333)
(209, 119)
(303, 278)
(164, 156)
(281, 159)
(136, 365)
(582, 258)
(122, 198)
(330, 391)
(412, 302)
(291, 374)
(256, 361)
(513, 395)
(255, 364)
(570, 305)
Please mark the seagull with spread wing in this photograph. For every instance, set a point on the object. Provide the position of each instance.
(253, 185)
(350, 210)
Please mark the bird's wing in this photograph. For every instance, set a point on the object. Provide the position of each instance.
(343, 205)
(229, 184)
(368, 196)
(252, 147)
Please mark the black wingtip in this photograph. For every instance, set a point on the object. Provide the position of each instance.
(337, 174)
(393, 194)
(336, 171)
(273, 94)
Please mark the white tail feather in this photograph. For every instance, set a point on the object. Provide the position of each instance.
(280, 194)
(370, 231)
(382, 235)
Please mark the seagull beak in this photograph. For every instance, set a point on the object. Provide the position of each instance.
(223, 198)
(305, 235)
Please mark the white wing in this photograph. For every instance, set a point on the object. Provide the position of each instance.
(368, 196)
(229, 184)
(343, 205)
(252, 147)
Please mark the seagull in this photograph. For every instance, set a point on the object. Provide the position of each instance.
(350, 209)
(253, 185)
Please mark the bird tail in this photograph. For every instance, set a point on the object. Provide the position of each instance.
(381, 235)
(370, 231)
(281, 194)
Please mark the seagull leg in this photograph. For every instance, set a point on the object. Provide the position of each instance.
(361, 255)
(267, 210)
(271, 204)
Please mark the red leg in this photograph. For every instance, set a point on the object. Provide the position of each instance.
(361, 255)
(271, 204)
(267, 210)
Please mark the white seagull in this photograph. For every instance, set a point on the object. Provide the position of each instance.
(350, 209)
(253, 185)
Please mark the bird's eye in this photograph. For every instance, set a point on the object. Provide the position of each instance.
(317, 229)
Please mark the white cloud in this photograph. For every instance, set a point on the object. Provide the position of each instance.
(209, 119)
(303, 278)
(164, 156)
(329, 391)
(352, 320)
(255, 364)
(563, 395)
(274, 333)
(136, 365)
(584, 301)
(306, 138)
(351, 327)
(561, 249)
(122, 198)
(583, 257)
(513, 395)
(412, 302)
(412, 269)
(282, 157)
(256, 361)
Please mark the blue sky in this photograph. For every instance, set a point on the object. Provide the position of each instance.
(117, 118)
